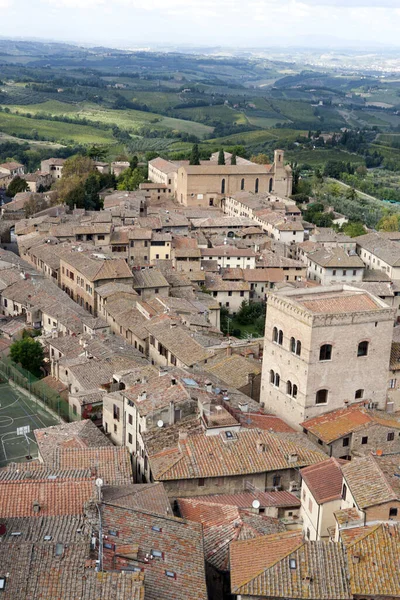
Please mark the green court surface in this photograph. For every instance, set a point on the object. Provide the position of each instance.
(19, 410)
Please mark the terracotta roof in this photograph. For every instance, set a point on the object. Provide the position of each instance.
(179, 342)
(246, 499)
(249, 451)
(381, 247)
(264, 275)
(223, 524)
(235, 369)
(338, 423)
(163, 165)
(324, 480)
(158, 393)
(143, 496)
(111, 464)
(149, 278)
(96, 269)
(266, 422)
(285, 566)
(79, 434)
(214, 282)
(375, 570)
(227, 251)
(367, 482)
(179, 541)
(54, 497)
(340, 303)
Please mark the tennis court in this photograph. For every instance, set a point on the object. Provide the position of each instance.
(17, 411)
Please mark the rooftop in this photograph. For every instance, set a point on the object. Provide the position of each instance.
(367, 482)
(336, 258)
(247, 451)
(324, 480)
(283, 565)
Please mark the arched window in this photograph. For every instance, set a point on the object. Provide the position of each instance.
(256, 186)
(292, 345)
(242, 184)
(294, 391)
(298, 348)
(362, 349)
(277, 379)
(271, 184)
(359, 394)
(289, 388)
(272, 376)
(280, 337)
(275, 334)
(325, 352)
(321, 397)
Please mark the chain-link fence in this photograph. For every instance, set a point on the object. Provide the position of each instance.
(9, 370)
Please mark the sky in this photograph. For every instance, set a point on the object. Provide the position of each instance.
(233, 23)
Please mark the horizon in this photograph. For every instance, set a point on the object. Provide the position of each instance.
(261, 24)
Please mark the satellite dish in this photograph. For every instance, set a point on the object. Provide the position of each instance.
(255, 504)
(99, 482)
(160, 423)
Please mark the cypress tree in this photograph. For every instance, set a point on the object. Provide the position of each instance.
(221, 157)
(195, 155)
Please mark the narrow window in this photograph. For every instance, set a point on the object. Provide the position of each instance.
(364, 440)
(280, 337)
(362, 349)
(325, 352)
(242, 184)
(298, 348)
(289, 388)
(272, 376)
(294, 392)
(292, 345)
(275, 334)
(390, 436)
(257, 185)
(344, 491)
(321, 397)
(277, 379)
(346, 442)
(271, 183)
(223, 186)
(359, 394)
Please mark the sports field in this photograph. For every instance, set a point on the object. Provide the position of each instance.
(17, 410)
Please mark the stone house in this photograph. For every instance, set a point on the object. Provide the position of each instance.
(227, 293)
(150, 282)
(82, 272)
(354, 431)
(314, 334)
(328, 266)
(53, 166)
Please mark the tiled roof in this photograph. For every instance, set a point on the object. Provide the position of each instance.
(373, 560)
(179, 541)
(59, 565)
(272, 260)
(335, 258)
(250, 451)
(267, 422)
(235, 369)
(163, 165)
(159, 392)
(223, 524)
(324, 480)
(37, 470)
(340, 303)
(149, 278)
(54, 496)
(381, 247)
(227, 251)
(214, 282)
(179, 343)
(79, 434)
(343, 421)
(261, 568)
(111, 464)
(367, 482)
(96, 269)
(246, 499)
(143, 496)
(264, 275)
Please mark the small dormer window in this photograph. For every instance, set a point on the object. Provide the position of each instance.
(170, 574)
(157, 554)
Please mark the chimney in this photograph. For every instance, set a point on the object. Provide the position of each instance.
(356, 559)
(182, 437)
(173, 381)
(244, 406)
(261, 447)
(293, 458)
(171, 412)
(229, 351)
(36, 506)
(208, 386)
(142, 396)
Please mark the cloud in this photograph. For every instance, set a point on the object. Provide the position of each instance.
(222, 5)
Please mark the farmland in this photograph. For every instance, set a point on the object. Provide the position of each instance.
(136, 102)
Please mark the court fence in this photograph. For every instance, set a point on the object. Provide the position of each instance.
(42, 392)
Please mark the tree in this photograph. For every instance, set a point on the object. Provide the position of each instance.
(97, 153)
(35, 204)
(16, 186)
(134, 162)
(260, 159)
(221, 157)
(80, 183)
(29, 354)
(353, 229)
(233, 158)
(131, 179)
(389, 223)
(195, 155)
(351, 194)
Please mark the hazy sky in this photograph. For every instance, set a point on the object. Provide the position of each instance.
(204, 22)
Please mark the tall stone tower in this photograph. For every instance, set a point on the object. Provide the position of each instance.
(283, 180)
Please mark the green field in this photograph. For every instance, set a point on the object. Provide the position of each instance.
(131, 120)
(320, 156)
(54, 131)
(18, 410)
